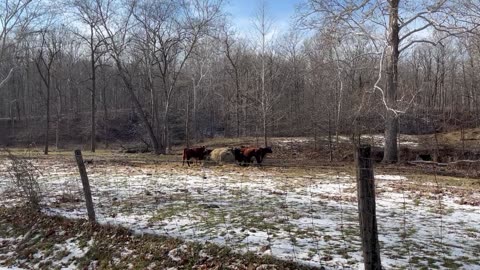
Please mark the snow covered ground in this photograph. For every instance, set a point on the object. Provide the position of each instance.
(55, 256)
(311, 218)
(377, 140)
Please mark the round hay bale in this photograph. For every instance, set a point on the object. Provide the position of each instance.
(222, 155)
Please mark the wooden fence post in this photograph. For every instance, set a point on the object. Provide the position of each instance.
(86, 186)
(366, 208)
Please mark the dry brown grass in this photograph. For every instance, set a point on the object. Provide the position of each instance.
(39, 233)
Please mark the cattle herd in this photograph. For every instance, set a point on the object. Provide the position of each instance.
(242, 155)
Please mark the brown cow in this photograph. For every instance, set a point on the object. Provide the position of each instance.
(262, 152)
(248, 153)
(258, 153)
(198, 153)
(242, 159)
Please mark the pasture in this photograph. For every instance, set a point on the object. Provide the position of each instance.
(305, 214)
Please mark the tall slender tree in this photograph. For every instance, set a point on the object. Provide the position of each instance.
(50, 47)
(263, 26)
(407, 24)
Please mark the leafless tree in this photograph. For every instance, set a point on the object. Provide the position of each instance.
(406, 26)
(50, 47)
(175, 28)
(263, 26)
(234, 49)
(188, 74)
(86, 14)
(15, 18)
(114, 27)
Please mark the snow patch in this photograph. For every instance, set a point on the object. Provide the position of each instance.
(311, 219)
(387, 177)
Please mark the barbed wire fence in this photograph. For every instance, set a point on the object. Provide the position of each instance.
(304, 217)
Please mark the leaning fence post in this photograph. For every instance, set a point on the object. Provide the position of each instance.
(366, 208)
(86, 185)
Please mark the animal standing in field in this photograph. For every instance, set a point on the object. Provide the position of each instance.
(241, 158)
(248, 153)
(198, 154)
(258, 153)
(208, 152)
(262, 152)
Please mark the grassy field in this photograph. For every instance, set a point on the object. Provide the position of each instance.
(302, 211)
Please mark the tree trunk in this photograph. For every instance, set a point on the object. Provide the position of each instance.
(391, 121)
(165, 131)
(330, 143)
(265, 129)
(187, 118)
(47, 126)
(59, 116)
(237, 101)
(264, 95)
(156, 146)
(194, 124)
(105, 111)
(12, 119)
(57, 133)
(153, 97)
(94, 109)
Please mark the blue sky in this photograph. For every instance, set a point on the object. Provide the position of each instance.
(242, 13)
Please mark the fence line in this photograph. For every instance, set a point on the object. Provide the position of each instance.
(119, 194)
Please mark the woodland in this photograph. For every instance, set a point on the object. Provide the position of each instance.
(99, 73)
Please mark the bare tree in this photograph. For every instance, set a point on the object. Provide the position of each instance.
(85, 12)
(263, 26)
(291, 48)
(368, 66)
(14, 18)
(50, 47)
(176, 27)
(406, 26)
(199, 67)
(113, 27)
(235, 50)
